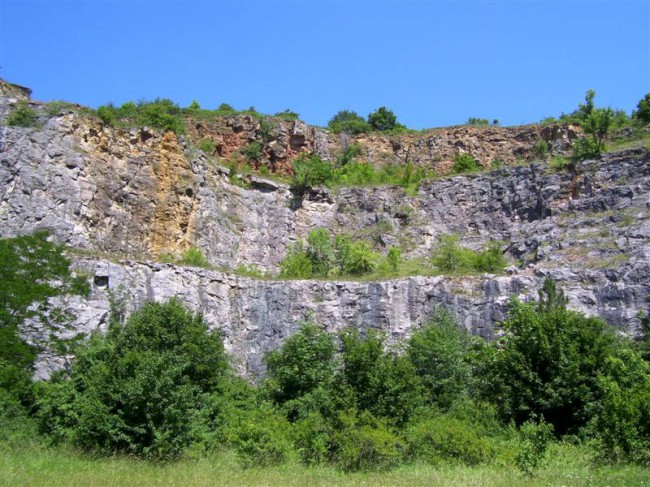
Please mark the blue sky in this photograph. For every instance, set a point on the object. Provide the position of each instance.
(434, 63)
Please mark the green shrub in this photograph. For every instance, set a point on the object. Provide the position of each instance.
(261, 438)
(363, 444)
(297, 263)
(547, 363)
(440, 354)
(22, 116)
(287, 115)
(559, 163)
(303, 363)
(490, 258)
(443, 438)
(349, 122)
(382, 382)
(540, 148)
(642, 112)
(355, 257)
(309, 172)
(534, 439)
(194, 257)
(383, 120)
(140, 388)
(622, 422)
(207, 146)
(311, 436)
(252, 152)
(320, 252)
(394, 258)
(450, 257)
(481, 122)
(108, 114)
(161, 113)
(464, 163)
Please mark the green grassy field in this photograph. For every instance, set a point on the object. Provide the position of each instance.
(39, 466)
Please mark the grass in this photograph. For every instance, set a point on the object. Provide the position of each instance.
(41, 466)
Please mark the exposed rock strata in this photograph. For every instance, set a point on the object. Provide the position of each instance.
(139, 194)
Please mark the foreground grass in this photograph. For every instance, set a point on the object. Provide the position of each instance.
(40, 466)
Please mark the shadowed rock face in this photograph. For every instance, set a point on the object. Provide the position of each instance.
(138, 194)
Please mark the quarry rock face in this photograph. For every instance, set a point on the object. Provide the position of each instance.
(126, 199)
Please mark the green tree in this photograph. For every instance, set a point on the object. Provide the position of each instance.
(622, 422)
(383, 383)
(585, 109)
(642, 112)
(140, 388)
(349, 122)
(597, 124)
(382, 119)
(440, 353)
(548, 362)
(304, 362)
(320, 251)
(33, 270)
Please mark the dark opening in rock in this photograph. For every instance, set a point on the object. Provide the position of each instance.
(101, 281)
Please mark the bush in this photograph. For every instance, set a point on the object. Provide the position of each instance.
(481, 122)
(297, 263)
(140, 388)
(194, 257)
(642, 112)
(464, 163)
(320, 252)
(540, 148)
(161, 113)
(207, 146)
(355, 257)
(383, 119)
(309, 172)
(440, 354)
(622, 422)
(311, 436)
(383, 383)
(363, 444)
(22, 116)
(252, 152)
(490, 259)
(534, 439)
(394, 258)
(260, 437)
(348, 122)
(303, 363)
(547, 363)
(443, 438)
(450, 257)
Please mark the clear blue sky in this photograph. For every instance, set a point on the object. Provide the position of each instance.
(434, 63)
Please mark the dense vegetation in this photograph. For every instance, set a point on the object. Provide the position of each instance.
(159, 385)
(327, 256)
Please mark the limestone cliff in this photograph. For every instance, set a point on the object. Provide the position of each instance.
(122, 198)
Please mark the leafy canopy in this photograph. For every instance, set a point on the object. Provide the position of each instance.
(140, 388)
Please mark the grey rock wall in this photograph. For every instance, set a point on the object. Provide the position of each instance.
(137, 194)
